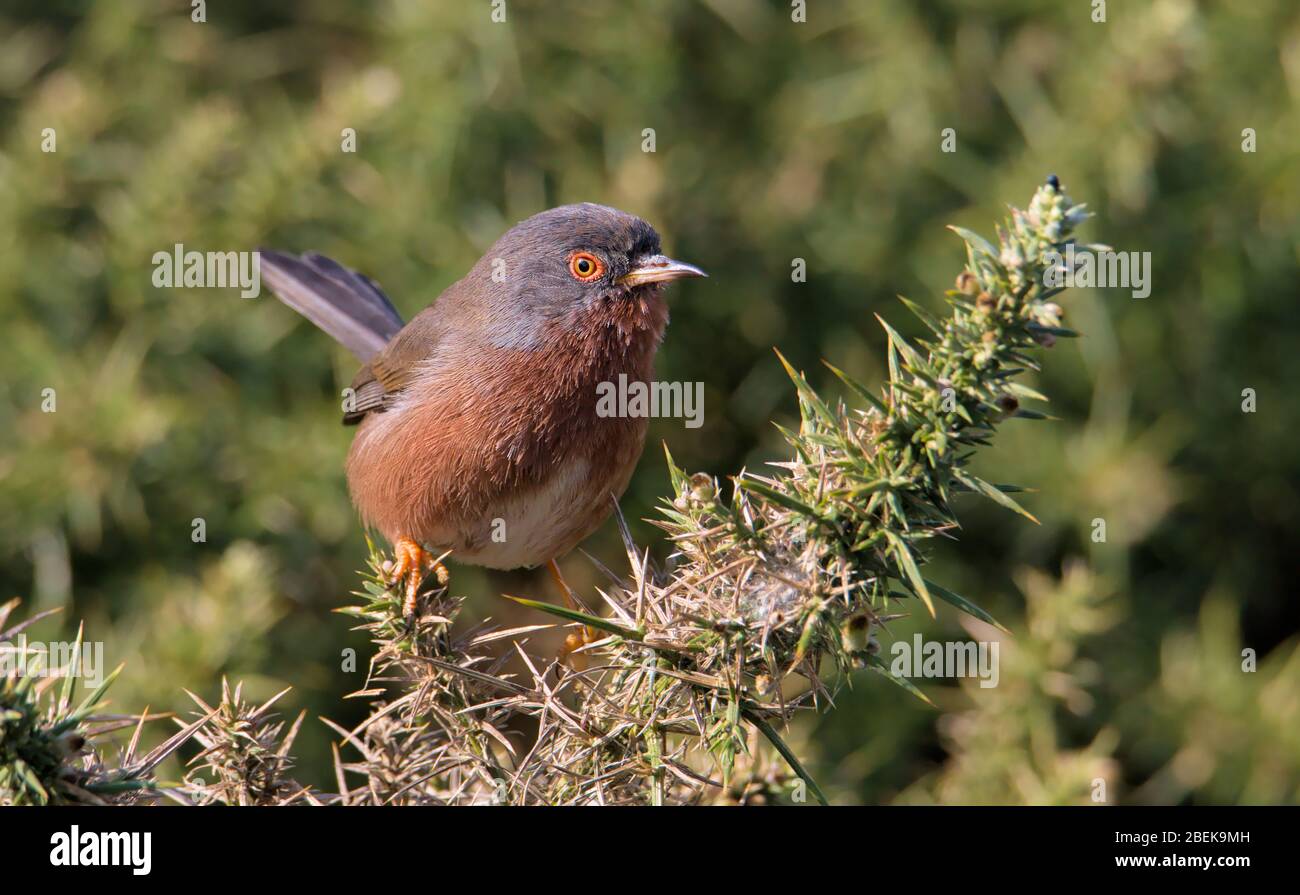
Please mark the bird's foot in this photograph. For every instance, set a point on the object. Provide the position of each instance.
(579, 638)
(569, 654)
(412, 560)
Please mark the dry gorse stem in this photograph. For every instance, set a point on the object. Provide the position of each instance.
(243, 753)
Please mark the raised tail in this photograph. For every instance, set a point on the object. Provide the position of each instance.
(344, 303)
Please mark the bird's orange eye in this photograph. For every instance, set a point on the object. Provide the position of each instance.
(585, 267)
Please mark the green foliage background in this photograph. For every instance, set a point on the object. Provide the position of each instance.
(775, 140)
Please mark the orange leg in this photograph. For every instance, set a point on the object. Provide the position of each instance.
(412, 561)
(577, 639)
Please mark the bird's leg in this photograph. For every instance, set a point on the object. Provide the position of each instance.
(411, 562)
(577, 639)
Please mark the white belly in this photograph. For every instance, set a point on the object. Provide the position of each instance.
(530, 529)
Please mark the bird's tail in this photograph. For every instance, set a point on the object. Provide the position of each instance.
(346, 304)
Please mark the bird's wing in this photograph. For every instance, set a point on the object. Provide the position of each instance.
(393, 368)
(351, 308)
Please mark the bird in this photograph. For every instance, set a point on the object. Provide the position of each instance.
(477, 429)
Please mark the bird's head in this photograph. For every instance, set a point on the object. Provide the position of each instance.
(570, 263)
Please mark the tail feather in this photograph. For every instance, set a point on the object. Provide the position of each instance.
(345, 304)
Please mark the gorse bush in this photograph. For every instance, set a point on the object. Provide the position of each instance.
(50, 740)
(678, 687)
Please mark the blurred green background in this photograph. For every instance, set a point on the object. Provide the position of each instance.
(775, 140)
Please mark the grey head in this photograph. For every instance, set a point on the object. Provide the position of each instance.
(567, 260)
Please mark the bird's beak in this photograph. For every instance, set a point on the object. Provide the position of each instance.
(658, 269)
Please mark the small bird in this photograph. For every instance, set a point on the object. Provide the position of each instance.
(477, 424)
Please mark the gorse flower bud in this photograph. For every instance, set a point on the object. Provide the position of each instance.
(856, 632)
(70, 743)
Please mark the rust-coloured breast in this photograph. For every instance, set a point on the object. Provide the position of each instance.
(498, 454)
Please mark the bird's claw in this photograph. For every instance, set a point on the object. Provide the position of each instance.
(579, 638)
(573, 642)
(412, 560)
